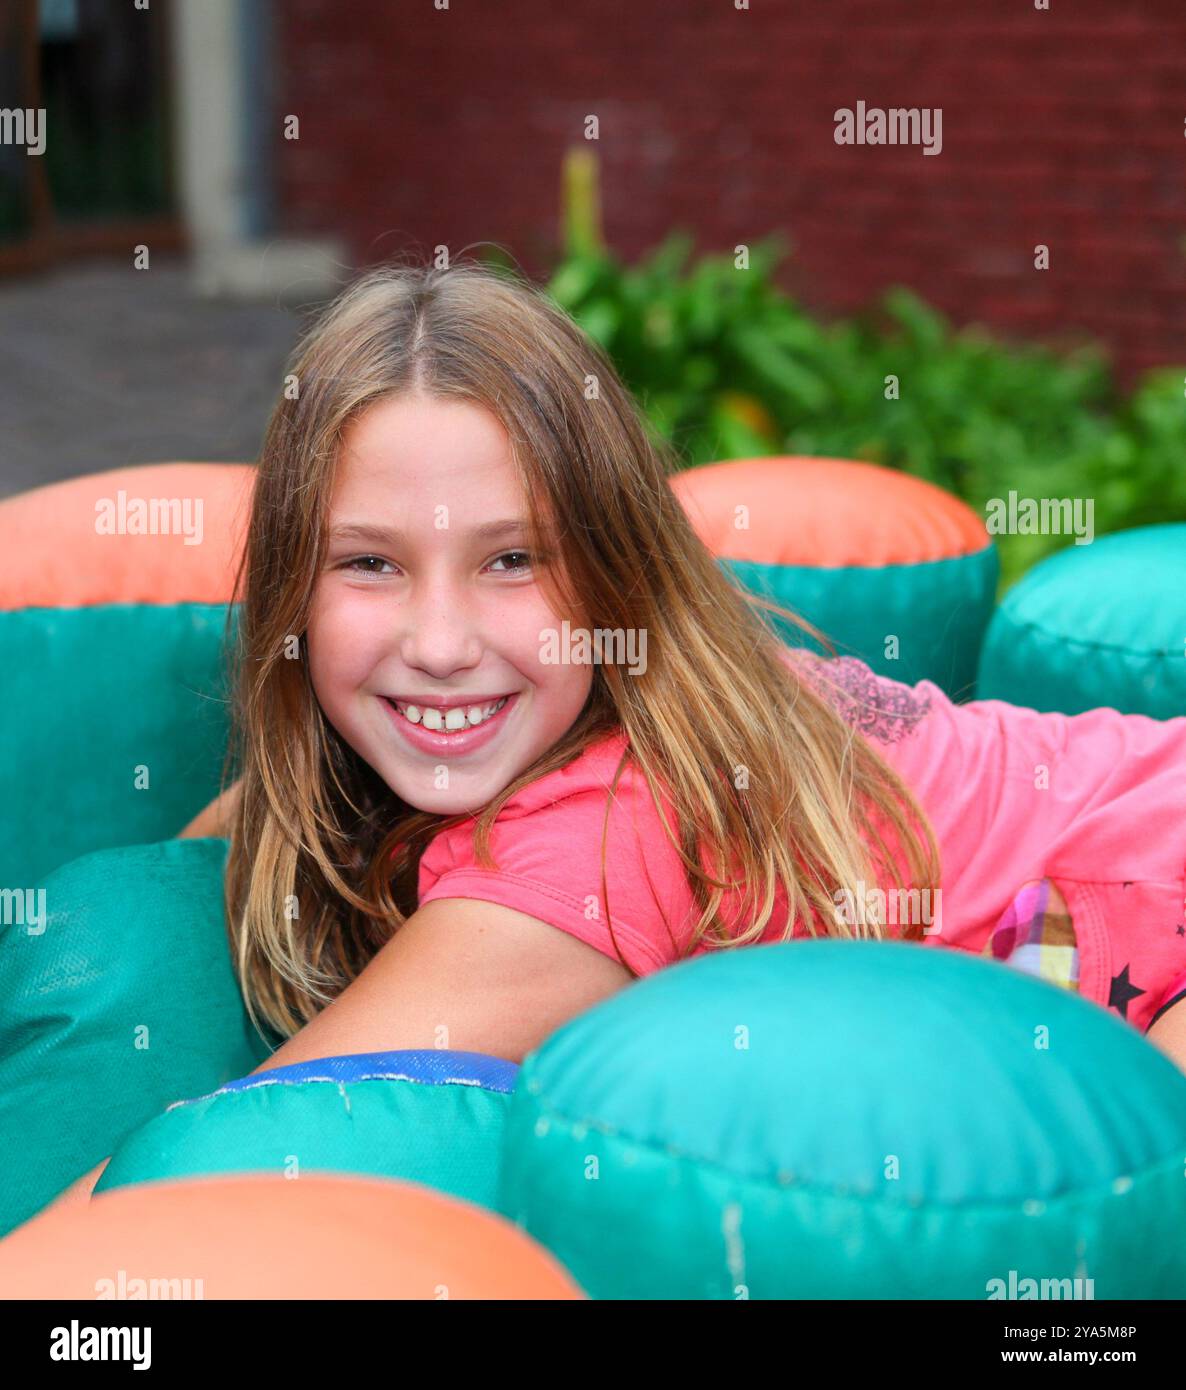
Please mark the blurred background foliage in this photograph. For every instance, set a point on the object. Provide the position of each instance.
(728, 365)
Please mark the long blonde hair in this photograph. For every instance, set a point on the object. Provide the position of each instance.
(315, 827)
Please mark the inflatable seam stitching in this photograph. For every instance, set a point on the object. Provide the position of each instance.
(785, 1179)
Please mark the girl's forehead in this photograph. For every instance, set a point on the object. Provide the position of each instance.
(463, 505)
(405, 459)
(418, 443)
(418, 425)
(406, 476)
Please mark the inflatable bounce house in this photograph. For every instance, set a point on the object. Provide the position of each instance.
(640, 1152)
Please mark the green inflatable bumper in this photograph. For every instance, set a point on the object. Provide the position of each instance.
(826, 1119)
(433, 1117)
(908, 622)
(1095, 625)
(119, 997)
(117, 728)
(892, 569)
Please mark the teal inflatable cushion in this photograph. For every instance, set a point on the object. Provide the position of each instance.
(116, 728)
(1095, 625)
(892, 569)
(936, 610)
(117, 997)
(432, 1117)
(839, 1119)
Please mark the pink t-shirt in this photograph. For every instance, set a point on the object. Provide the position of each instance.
(1095, 802)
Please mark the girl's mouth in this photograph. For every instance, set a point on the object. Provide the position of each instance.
(450, 728)
(450, 719)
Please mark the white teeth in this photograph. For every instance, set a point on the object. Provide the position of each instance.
(452, 720)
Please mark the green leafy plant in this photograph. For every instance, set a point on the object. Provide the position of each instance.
(728, 365)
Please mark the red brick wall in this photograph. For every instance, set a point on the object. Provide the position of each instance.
(1064, 127)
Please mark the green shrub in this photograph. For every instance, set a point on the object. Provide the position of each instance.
(727, 365)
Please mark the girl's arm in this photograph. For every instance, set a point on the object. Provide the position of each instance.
(216, 818)
(465, 975)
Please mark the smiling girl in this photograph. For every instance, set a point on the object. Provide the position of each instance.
(444, 837)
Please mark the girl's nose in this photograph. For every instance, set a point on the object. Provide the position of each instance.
(439, 629)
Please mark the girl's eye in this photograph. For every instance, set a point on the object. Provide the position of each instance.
(518, 562)
(522, 556)
(363, 560)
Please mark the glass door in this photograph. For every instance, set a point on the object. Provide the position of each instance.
(87, 80)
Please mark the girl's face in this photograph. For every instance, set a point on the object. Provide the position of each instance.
(427, 623)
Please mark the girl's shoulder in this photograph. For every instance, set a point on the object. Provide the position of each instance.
(882, 709)
(566, 851)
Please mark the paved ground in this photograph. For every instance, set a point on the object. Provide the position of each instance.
(102, 366)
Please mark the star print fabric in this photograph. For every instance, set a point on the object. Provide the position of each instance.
(1037, 935)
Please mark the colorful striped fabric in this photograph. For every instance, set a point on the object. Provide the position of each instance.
(1036, 934)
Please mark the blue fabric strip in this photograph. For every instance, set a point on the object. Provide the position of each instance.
(430, 1066)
